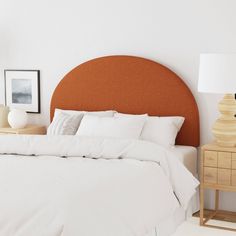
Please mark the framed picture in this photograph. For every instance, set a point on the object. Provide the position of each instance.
(22, 90)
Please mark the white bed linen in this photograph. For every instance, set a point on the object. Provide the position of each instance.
(81, 196)
(168, 226)
(188, 156)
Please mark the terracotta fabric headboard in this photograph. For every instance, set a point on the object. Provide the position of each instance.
(130, 85)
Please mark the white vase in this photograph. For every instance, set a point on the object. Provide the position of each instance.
(17, 118)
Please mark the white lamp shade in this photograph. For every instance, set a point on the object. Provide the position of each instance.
(217, 73)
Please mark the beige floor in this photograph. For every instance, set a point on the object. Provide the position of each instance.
(191, 228)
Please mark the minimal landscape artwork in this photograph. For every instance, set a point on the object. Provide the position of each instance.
(22, 90)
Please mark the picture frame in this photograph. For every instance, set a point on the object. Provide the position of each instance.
(22, 90)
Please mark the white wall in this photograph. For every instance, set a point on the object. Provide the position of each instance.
(56, 35)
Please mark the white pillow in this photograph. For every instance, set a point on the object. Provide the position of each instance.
(64, 124)
(115, 127)
(94, 113)
(142, 116)
(160, 130)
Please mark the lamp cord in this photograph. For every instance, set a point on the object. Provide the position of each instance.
(235, 99)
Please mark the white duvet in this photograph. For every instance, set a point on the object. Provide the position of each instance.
(79, 186)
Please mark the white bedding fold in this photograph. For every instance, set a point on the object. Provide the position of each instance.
(184, 184)
(126, 191)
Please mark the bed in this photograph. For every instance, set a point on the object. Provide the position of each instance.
(71, 186)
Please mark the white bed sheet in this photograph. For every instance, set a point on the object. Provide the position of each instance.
(64, 184)
(188, 156)
(169, 226)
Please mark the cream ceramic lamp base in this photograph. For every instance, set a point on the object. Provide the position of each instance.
(224, 128)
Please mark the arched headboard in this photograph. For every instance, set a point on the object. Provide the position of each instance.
(130, 85)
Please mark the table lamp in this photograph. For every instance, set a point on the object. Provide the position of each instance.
(217, 74)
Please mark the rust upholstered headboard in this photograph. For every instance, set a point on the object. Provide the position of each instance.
(130, 85)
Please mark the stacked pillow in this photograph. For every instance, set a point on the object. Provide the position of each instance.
(160, 130)
(113, 127)
(108, 113)
(66, 122)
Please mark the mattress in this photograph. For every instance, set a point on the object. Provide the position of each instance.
(188, 156)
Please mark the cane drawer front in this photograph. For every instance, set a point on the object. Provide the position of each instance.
(233, 177)
(224, 160)
(210, 175)
(219, 167)
(224, 177)
(210, 158)
(234, 160)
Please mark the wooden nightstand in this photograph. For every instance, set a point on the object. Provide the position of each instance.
(218, 172)
(30, 129)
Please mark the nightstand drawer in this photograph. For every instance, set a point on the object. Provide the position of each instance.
(224, 160)
(210, 158)
(234, 161)
(210, 175)
(224, 177)
(233, 177)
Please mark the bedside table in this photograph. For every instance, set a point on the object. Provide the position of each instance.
(218, 172)
(30, 129)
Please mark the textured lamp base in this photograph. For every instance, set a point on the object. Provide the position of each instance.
(224, 128)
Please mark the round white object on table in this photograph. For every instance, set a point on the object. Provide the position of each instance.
(17, 118)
